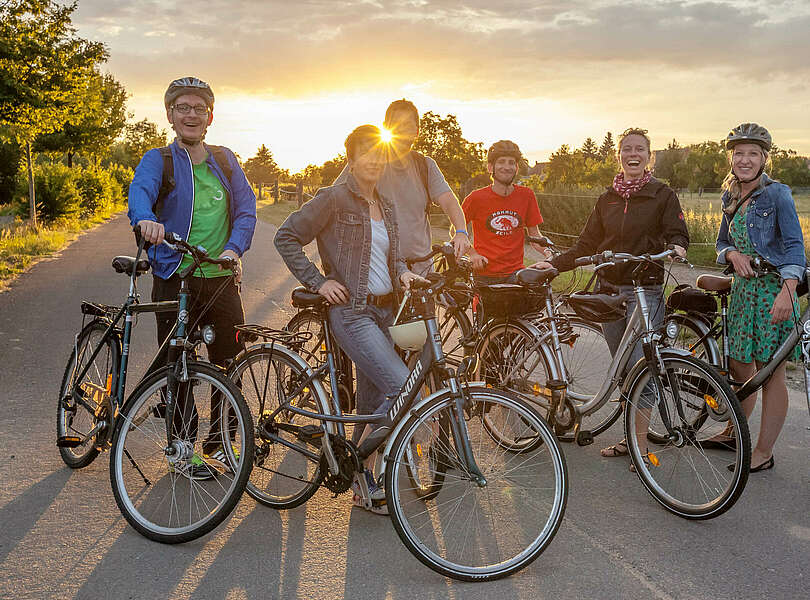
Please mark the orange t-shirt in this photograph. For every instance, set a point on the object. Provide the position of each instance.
(497, 226)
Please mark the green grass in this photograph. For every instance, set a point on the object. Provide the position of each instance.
(20, 245)
(274, 214)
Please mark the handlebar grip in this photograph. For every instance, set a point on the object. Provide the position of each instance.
(540, 241)
(584, 260)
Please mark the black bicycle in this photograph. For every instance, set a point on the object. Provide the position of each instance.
(182, 442)
(464, 505)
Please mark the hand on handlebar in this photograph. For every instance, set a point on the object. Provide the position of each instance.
(151, 231)
(479, 261)
(408, 277)
(741, 264)
(542, 265)
(334, 292)
(236, 265)
(461, 245)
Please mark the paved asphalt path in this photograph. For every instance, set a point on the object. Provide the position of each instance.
(61, 535)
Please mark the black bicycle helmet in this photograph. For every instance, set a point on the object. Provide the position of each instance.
(749, 133)
(504, 148)
(599, 308)
(188, 85)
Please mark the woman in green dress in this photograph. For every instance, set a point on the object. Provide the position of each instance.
(759, 219)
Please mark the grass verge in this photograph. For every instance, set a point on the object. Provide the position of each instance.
(274, 213)
(21, 246)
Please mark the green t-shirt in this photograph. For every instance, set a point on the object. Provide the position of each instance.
(209, 220)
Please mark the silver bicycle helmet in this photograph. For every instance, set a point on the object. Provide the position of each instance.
(749, 133)
(188, 85)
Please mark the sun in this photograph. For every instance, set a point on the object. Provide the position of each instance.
(385, 135)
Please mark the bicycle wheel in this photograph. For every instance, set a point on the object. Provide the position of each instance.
(684, 333)
(587, 358)
(454, 327)
(686, 478)
(180, 497)
(282, 477)
(472, 532)
(511, 358)
(98, 386)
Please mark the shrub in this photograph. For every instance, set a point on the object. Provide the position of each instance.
(123, 176)
(98, 188)
(57, 193)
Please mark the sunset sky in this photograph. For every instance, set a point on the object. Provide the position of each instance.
(299, 75)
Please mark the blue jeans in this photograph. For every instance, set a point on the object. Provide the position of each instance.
(365, 339)
(615, 329)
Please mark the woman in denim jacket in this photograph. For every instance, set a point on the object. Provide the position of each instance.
(759, 219)
(358, 242)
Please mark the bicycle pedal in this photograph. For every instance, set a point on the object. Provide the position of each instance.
(310, 432)
(584, 437)
(68, 441)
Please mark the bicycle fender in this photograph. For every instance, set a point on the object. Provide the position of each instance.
(698, 324)
(637, 368)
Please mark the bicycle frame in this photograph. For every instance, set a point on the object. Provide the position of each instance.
(431, 359)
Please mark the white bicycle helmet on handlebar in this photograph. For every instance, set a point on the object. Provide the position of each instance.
(410, 335)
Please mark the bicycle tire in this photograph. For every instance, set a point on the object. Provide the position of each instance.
(686, 337)
(689, 480)
(512, 358)
(468, 532)
(455, 328)
(178, 500)
(586, 362)
(280, 479)
(101, 380)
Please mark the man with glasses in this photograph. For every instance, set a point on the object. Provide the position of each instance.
(200, 192)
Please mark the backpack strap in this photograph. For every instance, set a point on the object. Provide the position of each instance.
(167, 181)
(420, 162)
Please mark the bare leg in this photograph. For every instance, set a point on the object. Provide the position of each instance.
(774, 411)
(741, 371)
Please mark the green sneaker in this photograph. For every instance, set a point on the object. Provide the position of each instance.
(196, 469)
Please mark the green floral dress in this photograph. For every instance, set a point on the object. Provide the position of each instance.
(751, 334)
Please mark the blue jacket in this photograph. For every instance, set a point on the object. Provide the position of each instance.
(338, 217)
(773, 228)
(179, 203)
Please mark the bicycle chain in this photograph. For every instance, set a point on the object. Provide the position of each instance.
(348, 465)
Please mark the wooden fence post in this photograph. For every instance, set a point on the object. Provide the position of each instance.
(299, 193)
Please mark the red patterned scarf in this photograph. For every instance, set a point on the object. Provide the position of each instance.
(626, 188)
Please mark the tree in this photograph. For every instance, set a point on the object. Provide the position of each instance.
(10, 155)
(43, 66)
(442, 140)
(789, 168)
(98, 118)
(704, 166)
(138, 138)
(608, 147)
(590, 149)
(262, 168)
(666, 162)
(331, 169)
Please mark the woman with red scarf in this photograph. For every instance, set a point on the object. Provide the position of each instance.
(637, 214)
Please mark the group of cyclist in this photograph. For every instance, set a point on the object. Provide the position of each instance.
(375, 216)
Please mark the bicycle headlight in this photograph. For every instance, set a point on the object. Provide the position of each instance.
(672, 330)
(207, 334)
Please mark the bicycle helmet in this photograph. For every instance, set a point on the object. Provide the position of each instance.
(599, 308)
(504, 148)
(188, 85)
(410, 335)
(749, 133)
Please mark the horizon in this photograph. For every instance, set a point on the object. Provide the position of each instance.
(298, 78)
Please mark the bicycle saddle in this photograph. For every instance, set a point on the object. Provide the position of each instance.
(714, 283)
(125, 264)
(536, 276)
(302, 297)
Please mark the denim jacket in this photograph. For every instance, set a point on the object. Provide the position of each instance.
(773, 228)
(338, 217)
(178, 206)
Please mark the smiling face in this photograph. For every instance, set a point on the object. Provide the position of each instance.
(503, 170)
(368, 162)
(746, 161)
(189, 126)
(634, 154)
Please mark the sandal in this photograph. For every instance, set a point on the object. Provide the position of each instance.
(617, 449)
(633, 467)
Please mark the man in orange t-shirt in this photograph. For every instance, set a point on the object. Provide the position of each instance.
(499, 213)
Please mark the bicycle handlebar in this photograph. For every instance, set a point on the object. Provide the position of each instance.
(610, 258)
(759, 265)
(176, 243)
(447, 251)
(540, 241)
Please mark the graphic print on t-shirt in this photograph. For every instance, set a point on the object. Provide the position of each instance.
(504, 222)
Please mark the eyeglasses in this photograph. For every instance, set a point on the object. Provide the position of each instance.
(185, 109)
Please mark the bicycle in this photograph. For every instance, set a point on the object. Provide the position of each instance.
(672, 400)
(166, 489)
(695, 325)
(477, 512)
